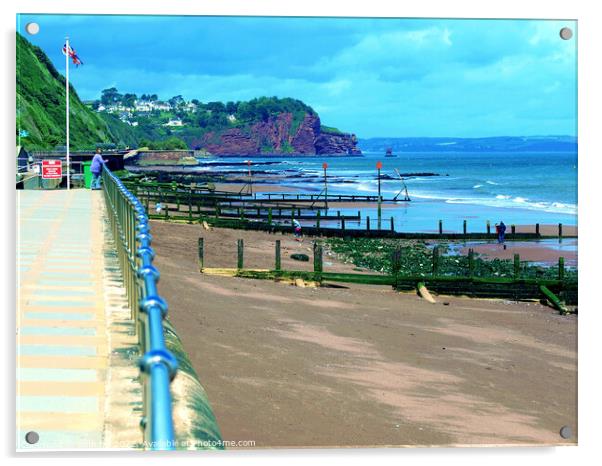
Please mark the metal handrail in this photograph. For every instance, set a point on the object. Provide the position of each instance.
(158, 367)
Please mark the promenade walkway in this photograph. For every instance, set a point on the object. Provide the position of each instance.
(77, 381)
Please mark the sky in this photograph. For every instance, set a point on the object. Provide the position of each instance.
(372, 77)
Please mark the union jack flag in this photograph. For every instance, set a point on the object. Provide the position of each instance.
(73, 55)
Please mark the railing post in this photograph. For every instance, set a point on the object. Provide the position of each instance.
(392, 225)
(516, 266)
(343, 224)
(201, 254)
(488, 227)
(513, 229)
(277, 265)
(560, 230)
(270, 215)
(367, 223)
(440, 227)
(318, 220)
(240, 262)
(464, 227)
(537, 229)
(435, 260)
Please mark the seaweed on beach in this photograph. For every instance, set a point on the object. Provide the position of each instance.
(417, 259)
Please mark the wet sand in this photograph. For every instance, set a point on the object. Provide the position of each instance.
(542, 252)
(546, 230)
(257, 188)
(362, 365)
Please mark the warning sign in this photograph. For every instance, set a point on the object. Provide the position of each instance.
(52, 169)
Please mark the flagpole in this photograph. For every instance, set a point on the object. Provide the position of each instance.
(67, 109)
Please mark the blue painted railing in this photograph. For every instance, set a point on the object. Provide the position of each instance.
(131, 232)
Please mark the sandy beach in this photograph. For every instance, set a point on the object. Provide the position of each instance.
(362, 365)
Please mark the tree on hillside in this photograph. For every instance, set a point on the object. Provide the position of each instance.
(216, 107)
(176, 101)
(129, 100)
(231, 107)
(110, 96)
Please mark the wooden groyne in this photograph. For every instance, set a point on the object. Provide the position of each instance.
(558, 291)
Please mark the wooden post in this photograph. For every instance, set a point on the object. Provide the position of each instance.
(464, 227)
(367, 223)
(471, 262)
(396, 264)
(392, 225)
(561, 268)
(201, 254)
(240, 262)
(488, 227)
(537, 229)
(318, 259)
(440, 227)
(516, 266)
(435, 260)
(270, 215)
(277, 264)
(560, 230)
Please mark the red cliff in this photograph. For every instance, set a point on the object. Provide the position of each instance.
(279, 134)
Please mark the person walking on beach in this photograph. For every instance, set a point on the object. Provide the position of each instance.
(297, 227)
(96, 169)
(501, 232)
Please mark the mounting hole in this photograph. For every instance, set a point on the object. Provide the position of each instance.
(32, 437)
(32, 28)
(566, 33)
(566, 432)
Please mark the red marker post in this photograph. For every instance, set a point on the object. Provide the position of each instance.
(325, 166)
(52, 169)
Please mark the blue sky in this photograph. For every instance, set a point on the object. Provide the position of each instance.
(374, 77)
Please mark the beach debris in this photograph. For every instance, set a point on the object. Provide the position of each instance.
(206, 225)
(300, 257)
(425, 293)
(299, 282)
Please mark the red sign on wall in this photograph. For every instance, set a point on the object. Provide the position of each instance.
(52, 169)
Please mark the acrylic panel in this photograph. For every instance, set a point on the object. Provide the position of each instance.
(365, 231)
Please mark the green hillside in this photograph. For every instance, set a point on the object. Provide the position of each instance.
(41, 108)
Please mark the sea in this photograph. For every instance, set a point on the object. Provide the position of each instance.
(521, 188)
